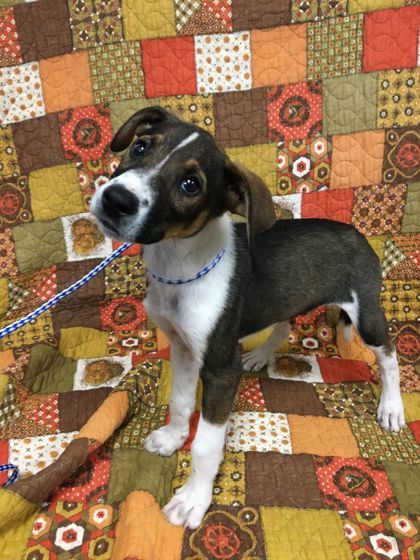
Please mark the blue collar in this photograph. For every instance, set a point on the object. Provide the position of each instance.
(205, 270)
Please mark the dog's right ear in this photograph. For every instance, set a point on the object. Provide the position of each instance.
(137, 124)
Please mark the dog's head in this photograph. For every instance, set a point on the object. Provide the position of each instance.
(172, 180)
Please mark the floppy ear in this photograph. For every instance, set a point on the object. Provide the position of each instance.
(138, 123)
(249, 196)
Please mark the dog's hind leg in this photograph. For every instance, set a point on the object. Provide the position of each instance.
(366, 314)
(258, 358)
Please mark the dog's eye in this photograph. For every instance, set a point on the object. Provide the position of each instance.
(190, 186)
(139, 148)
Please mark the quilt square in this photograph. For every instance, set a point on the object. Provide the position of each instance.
(94, 22)
(66, 81)
(197, 109)
(249, 396)
(258, 431)
(194, 17)
(38, 330)
(335, 47)
(92, 291)
(288, 206)
(9, 166)
(357, 159)
(374, 441)
(160, 57)
(292, 479)
(38, 143)
(322, 436)
(251, 14)
(8, 265)
(294, 367)
(123, 314)
(86, 132)
(304, 165)
(15, 202)
(398, 98)
(144, 422)
(348, 400)
(9, 43)
(126, 276)
(223, 62)
(399, 300)
(83, 238)
(278, 55)
(20, 93)
(291, 397)
(100, 372)
(332, 205)
(380, 535)
(400, 48)
(411, 217)
(259, 158)
(379, 209)
(43, 29)
(76, 407)
(304, 10)
(402, 155)
(241, 117)
(94, 174)
(349, 103)
(405, 480)
(142, 20)
(295, 111)
(339, 370)
(116, 72)
(354, 484)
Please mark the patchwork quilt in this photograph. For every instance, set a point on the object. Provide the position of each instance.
(321, 99)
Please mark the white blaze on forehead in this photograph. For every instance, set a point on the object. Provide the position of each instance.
(193, 136)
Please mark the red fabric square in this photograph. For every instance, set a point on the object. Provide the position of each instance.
(9, 46)
(415, 429)
(123, 314)
(390, 39)
(336, 370)
(169, 66)
(134, 250)
(336, 205)
(4, 458)
(86, 132)
(295, 111)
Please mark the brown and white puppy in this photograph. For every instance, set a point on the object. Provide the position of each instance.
(213, 282)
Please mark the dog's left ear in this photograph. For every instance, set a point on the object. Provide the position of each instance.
(249, 196)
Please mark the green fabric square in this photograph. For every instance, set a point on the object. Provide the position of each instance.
(135, 469)
(411, 217)
(39, 245)
(126, 276)
(95, 22)
(347, 399)
(116, 72)
(405, 481)
(349, 103)
(383, 445)
(334, 47)
(143, 423)
(121, 111)
(48, 371)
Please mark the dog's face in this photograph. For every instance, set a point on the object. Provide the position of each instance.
(172, 180)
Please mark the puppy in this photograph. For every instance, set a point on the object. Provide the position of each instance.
(213, 282)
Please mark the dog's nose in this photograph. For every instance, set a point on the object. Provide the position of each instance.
(116, 200)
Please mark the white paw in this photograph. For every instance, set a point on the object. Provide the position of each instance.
(189, 505)
(256, 359)
(165, 441)
(391, 413)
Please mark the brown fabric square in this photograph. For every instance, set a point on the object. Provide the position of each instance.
(43, 29)
(86, 314)
(291, 397)
(38, 143)
(241, 117)
(279, 480)
(76, 407)
(69, 272)
(249, 14)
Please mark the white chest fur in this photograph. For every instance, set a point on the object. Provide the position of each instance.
(191, 311)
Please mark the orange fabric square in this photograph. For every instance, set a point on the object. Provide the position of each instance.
(357, 159)
(332, 205)
(160, 58)
(334, 370)
(317, 435)
(66, 81)
(390, 39)
(278, 55)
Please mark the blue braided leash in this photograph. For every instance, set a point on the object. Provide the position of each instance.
(14, 474)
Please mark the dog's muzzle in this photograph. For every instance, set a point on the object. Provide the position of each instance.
(117, 201)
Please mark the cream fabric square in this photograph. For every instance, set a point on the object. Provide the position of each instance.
(101, 372)
(20, 93)
(258, 431)
(294, 367)
(83, 238)
(223, 62)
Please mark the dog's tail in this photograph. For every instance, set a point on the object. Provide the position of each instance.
(345, 326)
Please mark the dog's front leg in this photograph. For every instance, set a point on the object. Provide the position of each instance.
(185, 371)
(190, 503)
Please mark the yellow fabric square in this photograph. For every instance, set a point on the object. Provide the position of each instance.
(399, 299)
(356, 6)
(34, 332)
(298, 534)
(196, 109)
(4, 380)
(260, 159)
(4, 297)
(377, 242)
(144, 19)
(55, 192)
(82, 342)
(17, 517)
(411, 406)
